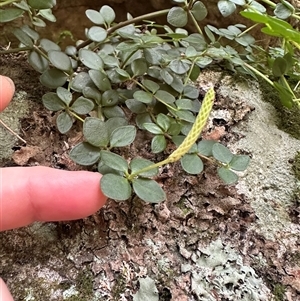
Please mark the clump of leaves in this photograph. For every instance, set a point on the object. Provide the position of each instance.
(126, 78)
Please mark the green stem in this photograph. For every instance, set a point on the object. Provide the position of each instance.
(270, 3)
(259, 74)
(247, 30)
(160, 100)
(189, 73)
(128, 22)
(15, 50)
(195, 22)
(7, 2)
(283, 79)
(158, 164)
(75, 115)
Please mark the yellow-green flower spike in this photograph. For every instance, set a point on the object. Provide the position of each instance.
(197, 127)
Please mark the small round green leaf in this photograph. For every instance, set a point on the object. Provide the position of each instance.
(82, 105)
(64, 122)
(279, 67)
(97, 34)
(178, 66)
(138, 164)
(110, 98)
(104, 169)
(108, 14)
(158, 144)
(166, 76)
(164, 96)
(205, 147)
(65, 95)
(163, 121)
(23, 37)
(114, 161)
(190, 92)
(100, 79)
(30, 32)
(85, 154)
(53, 78)
(282, 11)
(90, 59)
(95, 16)
(48, 45)
(150, 85)
(148, 190)
(141, 119)
(228, 176)
(52, 102)
(71, 50)
(199, 11)
(38, 22)
(239, 162)
(47, 14)
(222, 153)
(37, 61)
(81, 81)
(139, 67)
(92, 93)
(115, 187)
(192, 164)
(37, 4)
(114, 123)
(153, 128)
(177, 17)
(226, 7)
(10, 14)
(123, 136)
(113, 111)
(135, 106)
(95, 131)
(60, 60)
(143, 96)
(185, 115)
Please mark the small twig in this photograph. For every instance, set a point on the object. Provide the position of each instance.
(12, 132)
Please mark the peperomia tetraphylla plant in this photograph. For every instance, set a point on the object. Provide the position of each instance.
(127, 78)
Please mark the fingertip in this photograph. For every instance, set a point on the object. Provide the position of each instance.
(7, 90)
(4, 292)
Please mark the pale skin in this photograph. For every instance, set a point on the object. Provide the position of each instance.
(29, 194)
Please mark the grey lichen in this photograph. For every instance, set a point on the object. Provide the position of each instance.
(220, 274)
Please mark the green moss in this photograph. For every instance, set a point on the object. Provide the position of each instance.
(119, 287)
(278, 292)
(181, 205)
(296, 166)
(288, 119)
(84, 285)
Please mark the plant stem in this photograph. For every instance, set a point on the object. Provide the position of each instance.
(158, 164)
(75, 115)
(7, 2)
(270, 3)
(195, 22)
(259, 74)
(283, 79)
(15, 50)
(127, 22)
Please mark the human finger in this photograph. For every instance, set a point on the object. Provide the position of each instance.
(30, 194)
(4, 292)
(7, 90)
